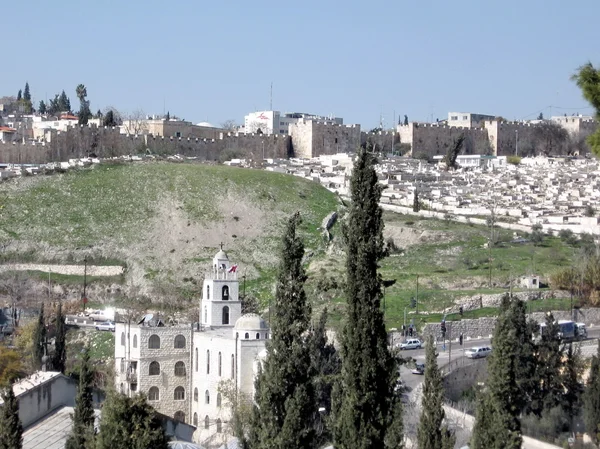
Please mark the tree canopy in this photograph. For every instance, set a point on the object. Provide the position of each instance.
(587, 78)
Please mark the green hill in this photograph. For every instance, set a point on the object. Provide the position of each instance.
(163, 221)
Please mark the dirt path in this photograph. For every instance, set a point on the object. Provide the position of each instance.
(92, 270)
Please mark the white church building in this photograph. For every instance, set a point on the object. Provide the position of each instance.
(180, 367)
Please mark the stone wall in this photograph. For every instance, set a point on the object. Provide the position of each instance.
(312, 139)
(465, 373)
(80, 142)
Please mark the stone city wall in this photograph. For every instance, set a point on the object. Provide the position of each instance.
(312, 139)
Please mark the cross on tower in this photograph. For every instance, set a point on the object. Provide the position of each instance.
(221, 245)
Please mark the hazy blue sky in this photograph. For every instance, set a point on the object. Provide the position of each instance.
(356, 59)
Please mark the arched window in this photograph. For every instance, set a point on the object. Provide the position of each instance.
(179, 394)
(220, 364)
(122, 365)
(205, 315)
(206, 397)
(196, 359)
(154, 369)
(179, 342)
(154, 342)
(246, 335)
(218, 399)
(179, 416)
(135, 341)
(180, 369)
(195, 395)
(208, 292)
(257, 336)
(232, 366)
(153, 394)
(207, 362)
(225, 318)
(225, 293)
(219, 425)
(122, 338)
(206, 422)
(195, 420)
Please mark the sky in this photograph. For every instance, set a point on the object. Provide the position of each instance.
(215, 61)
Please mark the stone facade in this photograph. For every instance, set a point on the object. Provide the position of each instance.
(311, 138)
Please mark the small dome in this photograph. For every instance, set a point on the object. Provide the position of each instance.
(221, 255)
(250, 322)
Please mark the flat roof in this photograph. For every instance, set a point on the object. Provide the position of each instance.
(36, 379)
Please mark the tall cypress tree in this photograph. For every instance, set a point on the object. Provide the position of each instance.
(11, 429)
(286, 408)
(27, 93)
(365, 394)
(570, 380)
(591, 400)
(431, 434)
(416, 204)
(484, 432)
(83, 419)
(549, 388)
(39, 339)
(59, 358)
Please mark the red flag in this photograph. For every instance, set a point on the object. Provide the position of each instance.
(233, 269)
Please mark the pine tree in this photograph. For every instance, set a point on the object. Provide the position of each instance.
(549, 361)
(416, 205)
(83, 419)
(11, 429)
(130, 423)
(64, 104)
(405, 120)
(369, 371)
(484, 432)
(19, 95)
(59, 358)
(42, 107)
(591, 400)
(39, 339)
(503, 385)
(285, 400)
(26, 93)
(430, 429)
(109, 118)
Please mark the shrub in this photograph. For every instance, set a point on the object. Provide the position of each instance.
(514, 160)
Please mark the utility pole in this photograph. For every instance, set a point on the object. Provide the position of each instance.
(449, 345)
(417, 297)
(84, 299)
(271, 99)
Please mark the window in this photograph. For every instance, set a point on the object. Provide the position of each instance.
(465, 117)
(178, 134)
(154, 342)
(246, 335)
(225, 318)
(179, 394)
(153, 394)
(122, 365)
(205, 315)
(179, 416)
(208, 292)
(257, 336)
(225, 293)
(232, 366)
(218, 399)
(154, 369)
(207, 362)
(135, 341)
(195, 395)
(219, 425)
(179, 342)
(206, 397)
(196, 359)
(336, 140)
(195, 420)
(454, 117)
(206, 422)
(220, 364)
(122, 338)
(180, 369)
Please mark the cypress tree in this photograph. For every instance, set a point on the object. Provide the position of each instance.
(570, 375)
(39, 339)
(286, 408)
(83, 419)
(11, 429)
(369, 372)
(27, 93)
(59, 358)
(42, 107)
(484, 433)
(502, 381)
(130, 423)
(549, 388)
(19, 95)
(591, 400)
(430, 433)
(64, 104)
(416, 205)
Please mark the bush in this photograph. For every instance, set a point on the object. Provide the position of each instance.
(567, 236)
(514, 160)
(537, 236)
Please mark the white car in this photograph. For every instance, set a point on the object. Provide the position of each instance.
(106, 326)
(478, 352)
(413, 343)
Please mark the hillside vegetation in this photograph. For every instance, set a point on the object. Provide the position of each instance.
(162, 221)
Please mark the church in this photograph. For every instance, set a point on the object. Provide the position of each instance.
(181, 367)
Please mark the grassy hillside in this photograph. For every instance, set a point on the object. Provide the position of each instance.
(163, 221)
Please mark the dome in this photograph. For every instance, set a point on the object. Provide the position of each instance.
(250, 322)
(221, 255)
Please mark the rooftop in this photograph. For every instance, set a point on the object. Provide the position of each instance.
(29, 383)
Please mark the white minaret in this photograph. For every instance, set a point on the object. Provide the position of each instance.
(220, 305)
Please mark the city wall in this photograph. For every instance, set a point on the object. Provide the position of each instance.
(428, 140)
(312, 139)
(86, 141)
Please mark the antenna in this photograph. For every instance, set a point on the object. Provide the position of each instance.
(271, 98)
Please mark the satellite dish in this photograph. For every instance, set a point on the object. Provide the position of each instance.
(147, 318)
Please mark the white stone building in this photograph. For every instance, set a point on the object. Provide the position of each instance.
(181, 367)
(274, 122)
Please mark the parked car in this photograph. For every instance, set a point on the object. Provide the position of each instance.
(419, 368)
(413, 343)
(106, 326)
(478, 352)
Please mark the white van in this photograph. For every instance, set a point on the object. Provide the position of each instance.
(478, 352)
